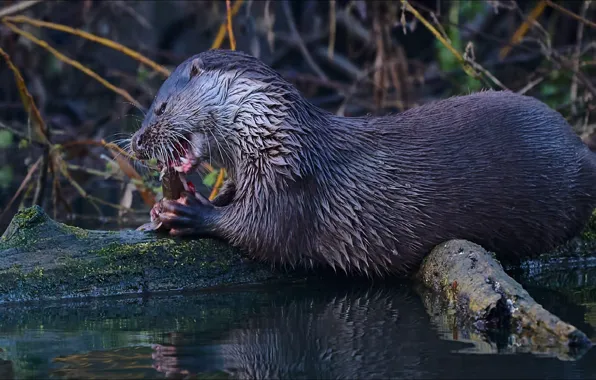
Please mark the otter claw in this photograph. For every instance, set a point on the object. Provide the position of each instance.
(151, 226)
(184, 216)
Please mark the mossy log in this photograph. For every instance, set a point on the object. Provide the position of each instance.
(43, 260)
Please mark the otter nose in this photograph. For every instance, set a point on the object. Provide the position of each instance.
(137, 145)
(136, 142)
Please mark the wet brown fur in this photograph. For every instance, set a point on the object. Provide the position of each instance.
(370, 194)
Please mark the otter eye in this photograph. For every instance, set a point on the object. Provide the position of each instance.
(159, 111)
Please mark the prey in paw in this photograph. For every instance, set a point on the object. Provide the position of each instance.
(189, 215)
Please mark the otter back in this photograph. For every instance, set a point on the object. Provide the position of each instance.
(499, 169)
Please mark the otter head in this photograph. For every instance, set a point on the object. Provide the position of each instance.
(219, 105)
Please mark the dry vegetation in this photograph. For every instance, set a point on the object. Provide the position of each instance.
(77, 75)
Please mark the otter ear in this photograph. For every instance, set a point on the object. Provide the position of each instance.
(195, 68)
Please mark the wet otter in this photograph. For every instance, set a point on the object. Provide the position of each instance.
(364, 194)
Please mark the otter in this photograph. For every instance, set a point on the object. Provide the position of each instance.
(370, 195)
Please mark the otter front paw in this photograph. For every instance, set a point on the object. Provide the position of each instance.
(186, 216)
(191, 214)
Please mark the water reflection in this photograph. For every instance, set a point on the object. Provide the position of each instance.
(314, 331)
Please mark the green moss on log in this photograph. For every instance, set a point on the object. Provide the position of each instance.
(41, 259)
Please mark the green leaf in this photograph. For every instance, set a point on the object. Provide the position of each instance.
(5, 176)
(209, 179)
(142, 74)
(5, 139)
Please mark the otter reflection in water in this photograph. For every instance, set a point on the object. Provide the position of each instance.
(378, 332)
(337, 334)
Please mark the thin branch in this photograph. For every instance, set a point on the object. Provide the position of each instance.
(229, 25)
(42, 178)
(16, 132)
(531, 85)
(523, 28)
(18, 7)
(24, 183)
(223, 29)
(434, 31)
(305, 53)
(91, 37)
(72, 62)
(576, 57)
(570, 14)
(332, 28)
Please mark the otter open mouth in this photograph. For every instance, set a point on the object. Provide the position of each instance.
(183, 155)
(185, 164)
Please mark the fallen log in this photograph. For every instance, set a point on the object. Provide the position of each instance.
(43, 260)
(467, 278)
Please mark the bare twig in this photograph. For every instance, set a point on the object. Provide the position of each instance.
(471, 60)
(134, 14)
(379, 75)
(27, 100)
(530, 85)
(223, 28)
(434, 31)
(18, 7)
(230, 12)
(91, 37)
(362, 77)
(571, 14)
(311, 62)
(332, 28)
(567, 65)
(523, 28)
(353, 26)
(72, 62)
(576, 56)
(289, 43)
(24, 183)
(340, 61)
(16, 132)
(42, 177)
(229, 25)
(479, 33)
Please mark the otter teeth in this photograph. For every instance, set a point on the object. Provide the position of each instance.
(186, 164)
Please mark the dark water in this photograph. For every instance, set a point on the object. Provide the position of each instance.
(300, 331)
